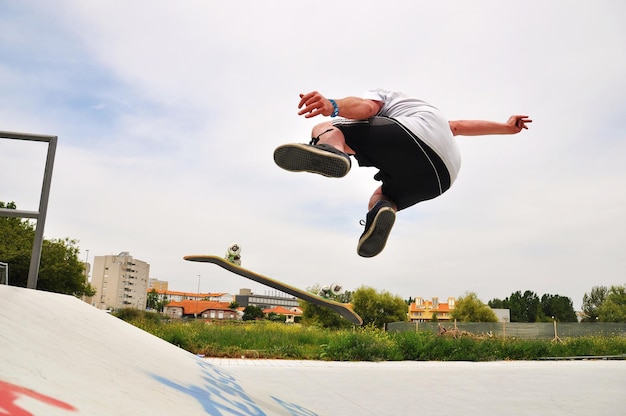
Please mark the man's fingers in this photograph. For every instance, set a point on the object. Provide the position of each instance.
(311, 109)
(520, 121)
(312, 104)
(314, 112)
(305, 98)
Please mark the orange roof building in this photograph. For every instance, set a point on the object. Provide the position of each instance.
(289, 314)
(173, 295)
(423, 310)
(203, 309)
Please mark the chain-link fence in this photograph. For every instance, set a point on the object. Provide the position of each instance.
(536, 330)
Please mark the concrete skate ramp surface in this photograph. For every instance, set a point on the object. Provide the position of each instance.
(61, 356)
(495, 388)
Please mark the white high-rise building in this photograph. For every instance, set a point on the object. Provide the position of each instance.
(120, 282)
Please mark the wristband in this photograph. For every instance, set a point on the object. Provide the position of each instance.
(335, 112)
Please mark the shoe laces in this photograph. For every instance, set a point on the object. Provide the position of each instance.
(314, 140)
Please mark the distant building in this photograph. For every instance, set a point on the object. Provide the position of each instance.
(157, 284)
(200, 309)
(504, 315)
(289, 314)
(423, 310)
(174, 296)
(247, 298)
(120, 282)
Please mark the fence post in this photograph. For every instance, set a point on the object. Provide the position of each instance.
(4, 279)
(556, 336)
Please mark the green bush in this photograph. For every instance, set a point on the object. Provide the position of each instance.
(131, 315)
(367, 344)
(265, 339)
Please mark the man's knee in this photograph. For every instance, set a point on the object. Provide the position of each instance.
(321, 128)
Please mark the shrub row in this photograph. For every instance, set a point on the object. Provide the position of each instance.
(263, 339)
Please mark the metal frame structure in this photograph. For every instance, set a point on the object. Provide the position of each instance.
(39, 215)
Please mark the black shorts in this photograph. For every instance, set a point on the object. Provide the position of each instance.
(409, 169)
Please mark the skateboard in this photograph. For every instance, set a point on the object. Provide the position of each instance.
(342, 309)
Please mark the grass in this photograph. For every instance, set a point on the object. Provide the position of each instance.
(264, 339)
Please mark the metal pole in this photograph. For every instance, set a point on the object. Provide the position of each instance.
(195, 315)
(16, 213)
(87, 266)
(6, 267)
(35, 258)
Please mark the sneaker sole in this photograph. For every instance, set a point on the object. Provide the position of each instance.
(375, 240)
(303, 158)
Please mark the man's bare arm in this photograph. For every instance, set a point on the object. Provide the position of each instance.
(514, 124)
(315, 104)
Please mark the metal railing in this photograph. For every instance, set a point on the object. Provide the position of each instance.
(40, 214)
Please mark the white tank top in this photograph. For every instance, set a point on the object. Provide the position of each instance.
(425, 121)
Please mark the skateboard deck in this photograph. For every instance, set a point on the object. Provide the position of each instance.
(342, 309)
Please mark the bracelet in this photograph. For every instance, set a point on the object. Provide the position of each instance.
(335, 108)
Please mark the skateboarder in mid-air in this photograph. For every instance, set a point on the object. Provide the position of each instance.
(408, 140)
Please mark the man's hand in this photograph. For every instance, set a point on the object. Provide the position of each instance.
(517, 123)
(314, 104)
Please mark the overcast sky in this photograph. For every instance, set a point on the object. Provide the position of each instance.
(168, 112)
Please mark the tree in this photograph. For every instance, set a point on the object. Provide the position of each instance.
(152, 300)
(527, 307)
(275, 317)
(558, 307)
(378, 308)
(60, 270)
(524, 307)
(16, 237)
(498, 304)
(592, 301)
(251, 313)
(155, 302)
(469, 308)
(316, 315)
(613, 309)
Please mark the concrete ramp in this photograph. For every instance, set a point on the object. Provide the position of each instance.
(61, 356)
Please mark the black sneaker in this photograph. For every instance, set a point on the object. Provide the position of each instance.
(322, 159)
(378, 224)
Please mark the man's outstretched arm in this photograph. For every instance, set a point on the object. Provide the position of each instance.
(315, 104)
(514, 124)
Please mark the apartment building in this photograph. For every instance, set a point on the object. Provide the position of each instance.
(120, 281)
(157, 284)
(424, 310)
